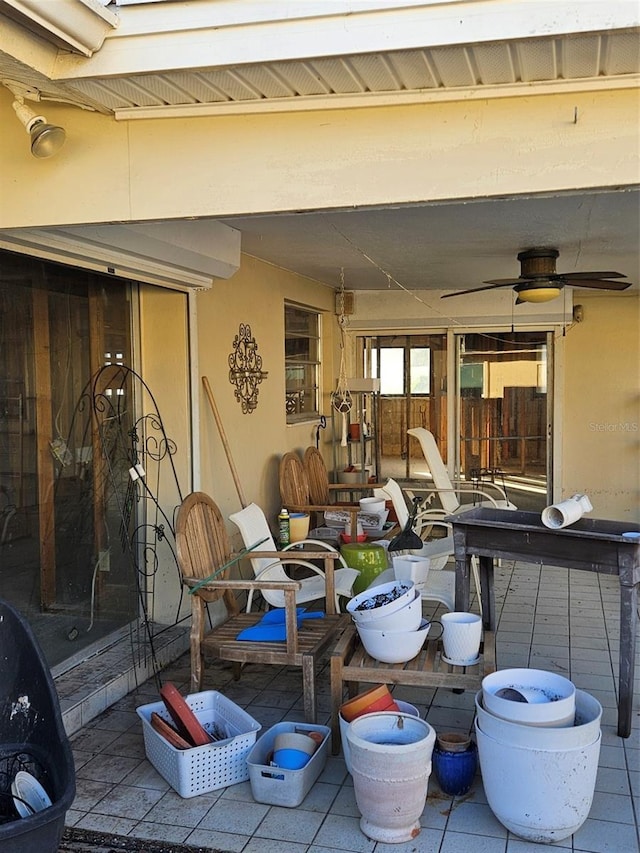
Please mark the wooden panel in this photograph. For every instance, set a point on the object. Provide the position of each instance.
(45, 436)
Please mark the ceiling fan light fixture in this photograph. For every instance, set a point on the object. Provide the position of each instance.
(538, 292)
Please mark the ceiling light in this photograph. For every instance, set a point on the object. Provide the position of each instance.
(46, 139)
(540, 291)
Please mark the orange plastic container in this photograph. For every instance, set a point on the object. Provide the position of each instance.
(378, 698)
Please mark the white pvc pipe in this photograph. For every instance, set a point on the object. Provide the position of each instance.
(566, 512)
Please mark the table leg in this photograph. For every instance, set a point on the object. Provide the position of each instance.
(627, 651)
(487, 593)
(463, 586)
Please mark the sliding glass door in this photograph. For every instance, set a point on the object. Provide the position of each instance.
(60, 530)
(502, 406)
(504, 411)
(413, 388)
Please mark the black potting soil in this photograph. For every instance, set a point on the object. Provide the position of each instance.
(382, 598)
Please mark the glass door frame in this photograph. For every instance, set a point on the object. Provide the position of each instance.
(454, 339)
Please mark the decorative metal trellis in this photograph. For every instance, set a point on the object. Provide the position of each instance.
(133, 479)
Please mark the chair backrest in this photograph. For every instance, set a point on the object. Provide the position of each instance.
(392, 491)
(202, 543)
(317, 476)
(441, 479)
(253, 527)
(294, 485)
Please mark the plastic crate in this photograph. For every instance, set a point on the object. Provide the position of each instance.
(277, 786)
(203, 768)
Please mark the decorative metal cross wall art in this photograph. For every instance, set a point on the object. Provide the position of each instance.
(245, 369)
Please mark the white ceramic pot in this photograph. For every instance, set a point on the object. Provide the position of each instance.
(540, 795)
(411, 567)
(393, 646)
(585, 730)
(404, 707)
(407, 618)
(390, 765)
(551, 698)
(361, 616)
(461, 637)
(376, 506)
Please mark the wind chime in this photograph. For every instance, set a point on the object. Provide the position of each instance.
(341, 399)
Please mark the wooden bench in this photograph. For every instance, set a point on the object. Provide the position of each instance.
(351, 664)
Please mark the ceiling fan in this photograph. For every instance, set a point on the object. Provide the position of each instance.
(539, 282)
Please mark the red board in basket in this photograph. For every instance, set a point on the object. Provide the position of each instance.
(186, 721)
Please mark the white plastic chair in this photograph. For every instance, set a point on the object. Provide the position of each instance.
(450, 494)
(253, 527)
(441, 583)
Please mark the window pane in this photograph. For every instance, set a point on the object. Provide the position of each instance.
(420, 371)
(392, 370)
(302, 352)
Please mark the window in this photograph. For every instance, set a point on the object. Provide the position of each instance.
(302, 362)
(388, 364)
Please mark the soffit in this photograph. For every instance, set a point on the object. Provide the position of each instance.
(170, 58)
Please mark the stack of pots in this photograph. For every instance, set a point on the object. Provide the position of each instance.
(388, 618)
(538, 745)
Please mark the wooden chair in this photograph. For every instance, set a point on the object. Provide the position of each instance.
(203, 548)
(299, 495)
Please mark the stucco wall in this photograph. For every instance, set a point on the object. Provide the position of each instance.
(254, 295)
(600, 428)
(128, 171)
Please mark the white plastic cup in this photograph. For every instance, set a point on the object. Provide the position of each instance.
(461, 636)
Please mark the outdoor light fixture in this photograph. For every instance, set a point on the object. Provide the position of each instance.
(46, 139)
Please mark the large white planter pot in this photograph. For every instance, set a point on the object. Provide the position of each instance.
(584, 731)
(539, 795)
(404, 707)
(551, 697)
(390, 765)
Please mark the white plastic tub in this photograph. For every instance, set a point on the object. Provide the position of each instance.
(203, 768)
(278, 786)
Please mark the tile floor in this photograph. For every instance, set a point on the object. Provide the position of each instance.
(549, 618)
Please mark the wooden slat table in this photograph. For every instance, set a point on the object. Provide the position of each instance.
(351, 664)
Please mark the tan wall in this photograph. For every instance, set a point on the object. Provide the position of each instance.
(254, 295)
(214, 166)
(164, 368)
(600, 428)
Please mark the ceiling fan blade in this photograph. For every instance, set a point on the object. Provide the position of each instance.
(600, 284)
(477, 289)
(578, 275)
(506, 281)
